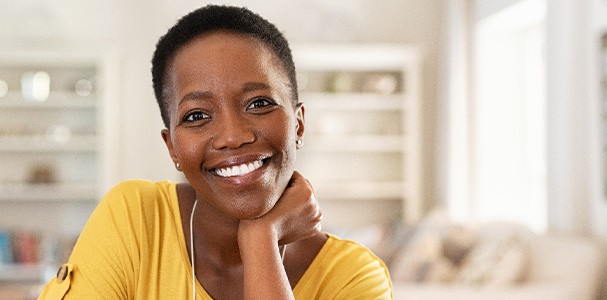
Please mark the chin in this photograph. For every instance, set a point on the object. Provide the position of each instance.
(244, 208)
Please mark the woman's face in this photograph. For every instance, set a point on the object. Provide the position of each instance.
(233, 125)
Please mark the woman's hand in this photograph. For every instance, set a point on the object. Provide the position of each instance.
(295, 216)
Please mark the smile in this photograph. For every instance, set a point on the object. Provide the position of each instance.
(239, 170)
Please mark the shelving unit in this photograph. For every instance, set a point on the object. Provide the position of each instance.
(362, 150)
(57, 148)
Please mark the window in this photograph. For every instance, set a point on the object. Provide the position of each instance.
(506, 117)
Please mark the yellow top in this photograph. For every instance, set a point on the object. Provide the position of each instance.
(133, 247)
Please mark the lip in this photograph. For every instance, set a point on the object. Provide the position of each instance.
(235, 161)
(241, 181)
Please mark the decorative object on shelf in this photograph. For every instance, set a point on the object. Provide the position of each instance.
(342, 82)
(383, 83)
(84, 87)
(35, 86)
(331, 125)
(59, 134)
(3, 88)
(42, 174)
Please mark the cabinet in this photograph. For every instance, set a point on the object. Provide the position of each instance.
(362, 150)
(57, 152)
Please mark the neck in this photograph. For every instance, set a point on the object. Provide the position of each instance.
(215, 236)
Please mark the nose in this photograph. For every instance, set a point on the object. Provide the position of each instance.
(235, 131)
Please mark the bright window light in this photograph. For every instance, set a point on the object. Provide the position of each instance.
(508, 117)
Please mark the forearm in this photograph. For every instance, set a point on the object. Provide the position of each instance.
(264, 273)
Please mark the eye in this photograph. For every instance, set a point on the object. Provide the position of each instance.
(260, 102)
(195, 116)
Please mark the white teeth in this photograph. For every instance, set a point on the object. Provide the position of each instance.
(239, 170)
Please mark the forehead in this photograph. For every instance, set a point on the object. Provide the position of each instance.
(223, 54)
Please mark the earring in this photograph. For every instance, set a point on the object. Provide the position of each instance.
(299, 143)
(177, 166)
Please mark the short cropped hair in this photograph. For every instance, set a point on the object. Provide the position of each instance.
(212, 18)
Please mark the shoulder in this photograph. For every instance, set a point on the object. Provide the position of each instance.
(132, 198)
(140, 186)
(351, 252)
(365, 273)
(345, 269)
(138, 189)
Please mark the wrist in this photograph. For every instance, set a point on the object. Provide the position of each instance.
(255, 231)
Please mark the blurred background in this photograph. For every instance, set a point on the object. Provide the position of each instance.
(424, 116)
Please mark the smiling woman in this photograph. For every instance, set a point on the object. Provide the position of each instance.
(225, 83)
(224, 116)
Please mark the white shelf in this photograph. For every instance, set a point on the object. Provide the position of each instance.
(354, 144)
(354, 57)
(364, 191)
(63, 192)
(21, 272)
(353, 101)
(39, 143)
(56, 100)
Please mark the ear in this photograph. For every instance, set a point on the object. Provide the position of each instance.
(166, 136)
(299, 114)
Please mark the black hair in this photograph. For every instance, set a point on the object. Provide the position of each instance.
(215, 18)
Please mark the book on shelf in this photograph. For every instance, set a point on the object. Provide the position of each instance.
(6, 248)
(29, 248)
(26, 247)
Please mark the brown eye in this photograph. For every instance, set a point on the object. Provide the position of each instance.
(195, 116)
(260, 103)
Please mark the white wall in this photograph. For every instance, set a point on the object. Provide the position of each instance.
(575, 188)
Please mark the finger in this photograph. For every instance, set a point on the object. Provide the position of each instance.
(296, 177)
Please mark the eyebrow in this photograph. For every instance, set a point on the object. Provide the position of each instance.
(247, 87)
(195, 95)
(253, 86)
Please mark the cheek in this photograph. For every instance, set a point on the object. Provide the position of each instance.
(281, 131)
(189, 149)
(283, 135)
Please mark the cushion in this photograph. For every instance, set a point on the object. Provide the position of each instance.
(499, 259)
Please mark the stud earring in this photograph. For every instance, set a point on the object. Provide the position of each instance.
(177, 165)
(299, 143)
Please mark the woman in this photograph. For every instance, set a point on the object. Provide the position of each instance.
(246, 224)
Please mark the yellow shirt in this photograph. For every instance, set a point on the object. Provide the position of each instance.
(133, 247)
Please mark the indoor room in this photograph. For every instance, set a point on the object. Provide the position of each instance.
(464, 142)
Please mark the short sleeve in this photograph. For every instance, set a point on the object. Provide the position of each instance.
(370, 281)
(102, 263)
(344, 269)
(58, 287)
